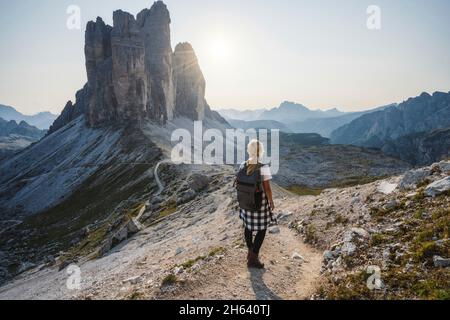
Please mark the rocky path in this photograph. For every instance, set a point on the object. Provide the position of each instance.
(292, 270)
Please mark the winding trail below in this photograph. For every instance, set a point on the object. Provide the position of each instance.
(158, 180)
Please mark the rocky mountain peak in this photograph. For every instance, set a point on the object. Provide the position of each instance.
(189, 82)
(133, 73)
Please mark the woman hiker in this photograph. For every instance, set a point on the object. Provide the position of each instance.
(257, 219)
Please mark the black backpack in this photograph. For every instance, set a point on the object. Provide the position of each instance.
(249, 189)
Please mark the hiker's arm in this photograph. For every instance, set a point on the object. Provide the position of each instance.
(268, 191)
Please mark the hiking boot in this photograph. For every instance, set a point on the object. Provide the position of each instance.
(253, 261)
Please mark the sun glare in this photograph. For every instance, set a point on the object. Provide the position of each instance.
(221, 49)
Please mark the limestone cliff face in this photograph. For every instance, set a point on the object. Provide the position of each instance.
(129, 76)
(133, 74)
(189, 83)
(101, 102)
(154, 24)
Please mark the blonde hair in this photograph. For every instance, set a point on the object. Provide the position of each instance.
(255, 150)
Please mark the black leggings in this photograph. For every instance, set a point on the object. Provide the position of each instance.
(259, 239)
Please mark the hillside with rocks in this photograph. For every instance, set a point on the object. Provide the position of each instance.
(309, 164)
(192, 247)
(98, 159)
(420, 148)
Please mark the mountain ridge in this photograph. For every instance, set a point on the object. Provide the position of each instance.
(393, 127)
(41, 120)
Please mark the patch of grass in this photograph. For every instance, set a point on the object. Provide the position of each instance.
(352, 287)
(340, 219)
(167, 212)
(378, 239)
(355, 181)
(418, 214)
(311, 233)
(426, 251)
(305, 191)
(191, 262)
(423, 183)
(136, 295)
(134, 212)
(440, 213)
(216, 251)
(420, 195)
(436, 288)
(169, 280)
(425, 236)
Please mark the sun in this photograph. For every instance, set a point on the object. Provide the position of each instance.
(221, 49)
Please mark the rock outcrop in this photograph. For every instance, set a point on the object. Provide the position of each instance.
(129, 76)
(133, 74)
(154, 24)
(420, 148)
(189, 82)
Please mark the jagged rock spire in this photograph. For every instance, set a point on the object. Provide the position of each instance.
(133, 74)
(189, 82)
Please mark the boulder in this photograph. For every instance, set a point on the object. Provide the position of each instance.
(438, 187)
(179, 251)
(444, 166)
(133, 227)
(199, 182)
(412, 178)
(328, 255)
(121, 235)
(391, 205)
(360, 232)
(133, 280)
(440, 262)
(298, 256)
(348, 248)
(284, 216)
(274, 230)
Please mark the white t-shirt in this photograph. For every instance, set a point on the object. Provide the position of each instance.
(265, 172)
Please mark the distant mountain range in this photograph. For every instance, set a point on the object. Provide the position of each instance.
(404, 130)
(325, 126)
(259, 124)
(15, 137)
(289, 112)
(415, 130)
(420, 114)
(41, 120)
(293, 117)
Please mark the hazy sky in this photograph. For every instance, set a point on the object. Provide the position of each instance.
(253, 53)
